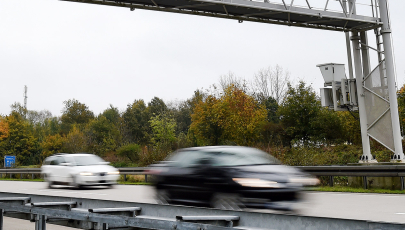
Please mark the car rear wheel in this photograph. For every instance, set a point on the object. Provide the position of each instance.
(162, 196)
(226, 201)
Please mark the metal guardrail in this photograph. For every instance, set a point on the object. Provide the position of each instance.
(330, 171)
(364, 171)
(95, 214)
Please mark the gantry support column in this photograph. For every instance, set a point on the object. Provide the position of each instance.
(360, 95)
(390, 70)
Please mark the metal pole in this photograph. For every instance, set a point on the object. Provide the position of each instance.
(40, 222)
(364, 182)
(390, 69)
(349, 55)
(365, 53)
(1, 218)
(360, 95)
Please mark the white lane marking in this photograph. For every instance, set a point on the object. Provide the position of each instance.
(400, 213)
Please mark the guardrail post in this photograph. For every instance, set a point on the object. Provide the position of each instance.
(146, 177)
(331, 182)
(21, 176)
(125, 177)
(402, 183)
(40, 222)
(105, 226)
(365, 182)
(1, 218)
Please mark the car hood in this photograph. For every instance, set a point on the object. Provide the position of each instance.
(279, 173)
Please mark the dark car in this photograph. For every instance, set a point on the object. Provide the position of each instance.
(227, 177)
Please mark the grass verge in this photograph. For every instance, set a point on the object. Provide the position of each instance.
(356, 190)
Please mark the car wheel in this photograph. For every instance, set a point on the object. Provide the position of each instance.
(162, 197)
(73, 183)
(46, 179)
(226, 201)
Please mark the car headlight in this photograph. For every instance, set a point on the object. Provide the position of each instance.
(304, 180)
(114, 173)
(257, 183)
(86, 174)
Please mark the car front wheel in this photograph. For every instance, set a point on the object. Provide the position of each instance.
(73, 183)
(47, 179)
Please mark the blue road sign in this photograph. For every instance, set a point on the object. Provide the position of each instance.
(9, 161)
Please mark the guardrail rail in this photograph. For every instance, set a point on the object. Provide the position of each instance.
(95, 214)
(330, 171)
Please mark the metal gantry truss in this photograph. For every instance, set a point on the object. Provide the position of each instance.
(318, 14)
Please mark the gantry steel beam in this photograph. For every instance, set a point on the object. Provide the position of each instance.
(257, 11)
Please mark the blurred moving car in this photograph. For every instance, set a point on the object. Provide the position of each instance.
(78, 169)
(228, 177)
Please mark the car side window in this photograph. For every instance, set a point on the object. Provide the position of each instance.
(57, 161)
(187, 159)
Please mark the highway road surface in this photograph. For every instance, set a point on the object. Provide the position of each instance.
(374, 207)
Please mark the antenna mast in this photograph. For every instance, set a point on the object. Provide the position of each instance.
(25, 101)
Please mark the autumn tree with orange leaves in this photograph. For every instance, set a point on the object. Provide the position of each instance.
(232, 118)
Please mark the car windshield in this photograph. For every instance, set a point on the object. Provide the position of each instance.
(87, 160)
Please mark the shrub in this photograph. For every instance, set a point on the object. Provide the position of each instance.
(131, 151)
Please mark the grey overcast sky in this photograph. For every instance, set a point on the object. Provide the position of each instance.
(102, 55)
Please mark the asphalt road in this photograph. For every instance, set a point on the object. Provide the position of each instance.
(374, 207)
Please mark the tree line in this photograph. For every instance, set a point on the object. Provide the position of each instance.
(269, 112)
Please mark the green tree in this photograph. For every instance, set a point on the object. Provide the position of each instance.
(75, 113)
(76, 141)
(52, 144)
(135, 123)
(21, 141)
(156, 107)
(103, 135)
(163, 131)
(299, 110)
(112, 114)
(401, 107)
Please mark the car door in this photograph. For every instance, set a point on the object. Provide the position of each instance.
(55, 169)
(65, 169)
(180, 178)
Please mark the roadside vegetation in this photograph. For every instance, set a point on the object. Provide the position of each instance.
(356, 190)
(271, 113)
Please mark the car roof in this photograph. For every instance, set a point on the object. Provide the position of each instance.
(71, 154)
(218, 148)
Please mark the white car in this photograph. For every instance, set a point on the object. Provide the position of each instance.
(78, 169)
